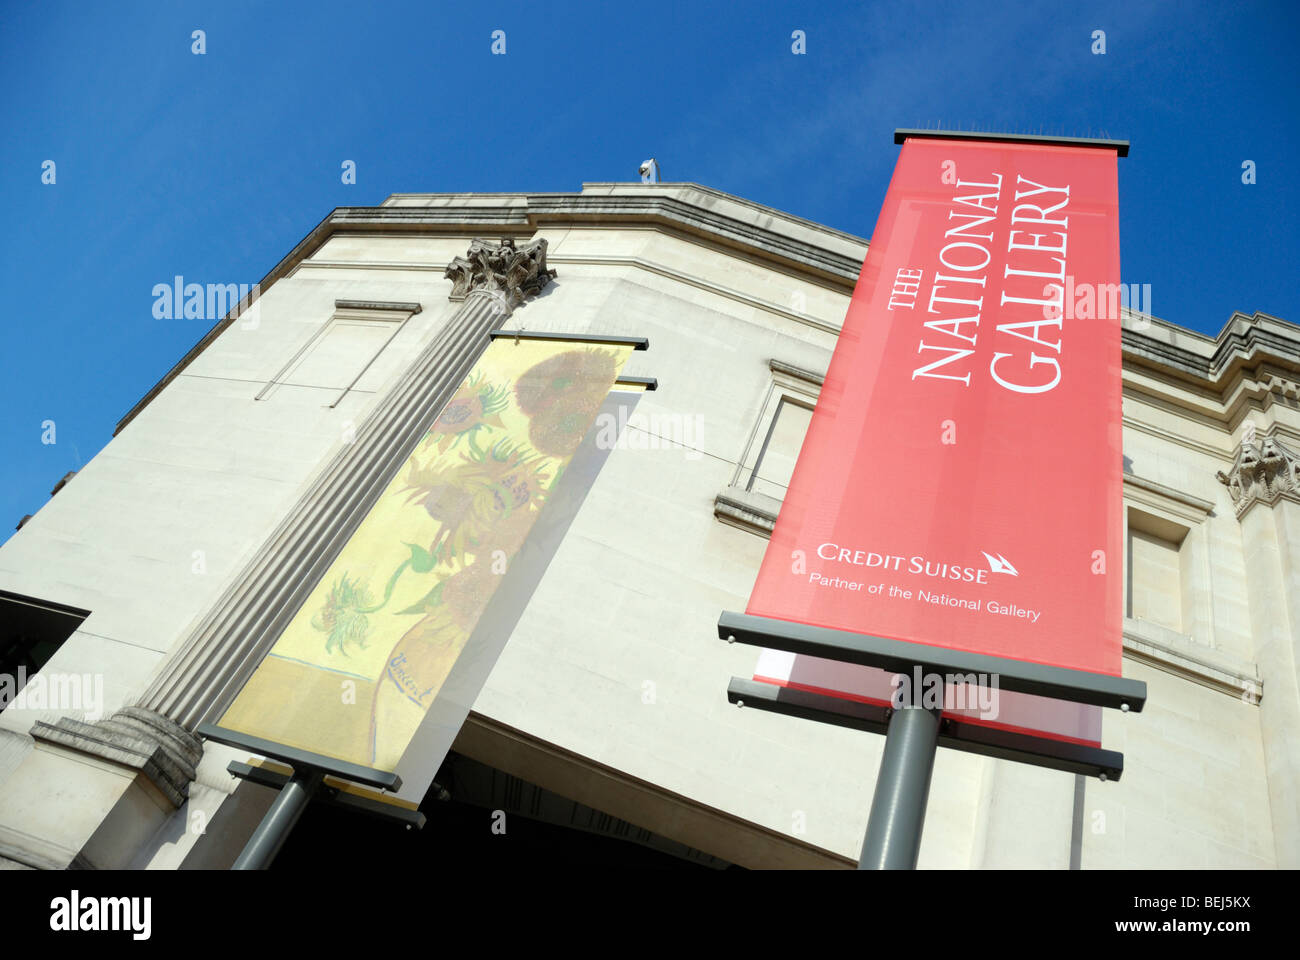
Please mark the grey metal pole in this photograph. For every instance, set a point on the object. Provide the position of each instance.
(893, 839)
(284, 812)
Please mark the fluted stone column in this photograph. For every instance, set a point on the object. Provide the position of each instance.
(1264, 484)
(207, 669)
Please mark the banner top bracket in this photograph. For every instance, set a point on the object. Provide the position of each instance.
(1119, 146)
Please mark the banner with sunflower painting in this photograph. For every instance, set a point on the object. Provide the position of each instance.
(366, 657)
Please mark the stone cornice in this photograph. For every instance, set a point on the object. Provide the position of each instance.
(828, 255)
(782, 240)
(830, 261)
(1253, 365)
(1250, 341)
(1217, 363)
(728, 231)
(1164, 355)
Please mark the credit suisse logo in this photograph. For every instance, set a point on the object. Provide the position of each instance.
(918, 565)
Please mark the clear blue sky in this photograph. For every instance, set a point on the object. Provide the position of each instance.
(214, 166)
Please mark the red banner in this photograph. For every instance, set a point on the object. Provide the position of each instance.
(960, 482)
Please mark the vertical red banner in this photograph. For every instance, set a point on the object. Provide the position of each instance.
(960, 482)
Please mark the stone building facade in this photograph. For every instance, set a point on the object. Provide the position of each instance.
(161, 569)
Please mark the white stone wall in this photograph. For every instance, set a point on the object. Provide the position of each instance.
(1194, 791)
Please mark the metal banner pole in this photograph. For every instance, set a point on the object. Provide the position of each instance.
(271, 833)
(295, 791)
(893, 840)
(913, 731)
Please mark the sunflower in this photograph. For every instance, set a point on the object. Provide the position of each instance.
(475, 405)
(561, 397)
(558, 430)
(472, 496)
(578, 379)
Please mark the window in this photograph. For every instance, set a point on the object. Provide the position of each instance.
(1158, 570)
(776, 458)
(753, 498)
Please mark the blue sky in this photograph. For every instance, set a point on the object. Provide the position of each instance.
(214, 166)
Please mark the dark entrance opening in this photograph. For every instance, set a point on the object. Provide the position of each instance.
(478, 816)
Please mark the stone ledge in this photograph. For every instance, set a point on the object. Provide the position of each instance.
(1176, 501)
(28, 852)
(752, 512)
(411, 308)
(135, 738)
(809, 379)
(1182, 656)
(133, 754)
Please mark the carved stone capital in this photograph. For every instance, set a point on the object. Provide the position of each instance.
(515, 272)
(1263, 472)
(134, 737)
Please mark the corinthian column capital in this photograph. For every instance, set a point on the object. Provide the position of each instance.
(514, 272)
(1265, 471)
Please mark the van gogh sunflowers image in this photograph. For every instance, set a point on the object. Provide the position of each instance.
(359, 665)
